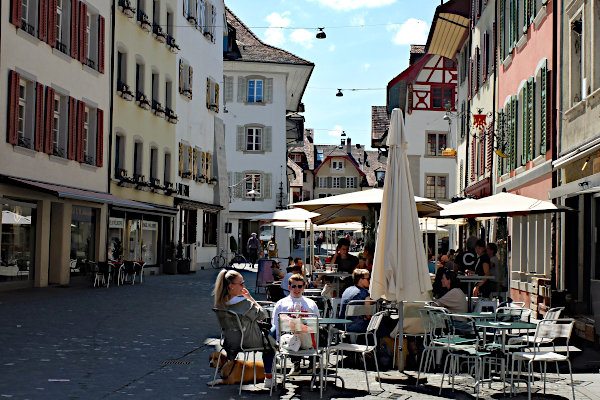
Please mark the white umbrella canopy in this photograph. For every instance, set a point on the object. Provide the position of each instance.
(400, 269)
(292, 214)
(11, 218)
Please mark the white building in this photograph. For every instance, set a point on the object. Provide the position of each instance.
(262, 84)
(200, 130)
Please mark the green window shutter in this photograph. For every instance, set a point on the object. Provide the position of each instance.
(500, 127)
(267, 138)
(531, 117)
(239, 187)
(513, 134)
(266, 186)
(524, 126)
(228, 89)
(268, 90)
(532, 10)
(343, 182)
(241, 94)
(502, 31)
(543, 107)
(240, 139)
(329, 182)
(525, 15)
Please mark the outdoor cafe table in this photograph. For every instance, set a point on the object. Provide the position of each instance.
(331, 322)
(503, 327)
(470, 280)
(339, 275)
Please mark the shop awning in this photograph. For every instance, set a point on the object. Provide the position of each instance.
(197, 205)
(449, 28)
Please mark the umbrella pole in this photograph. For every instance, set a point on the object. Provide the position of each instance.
(312, 247)
(304, 239)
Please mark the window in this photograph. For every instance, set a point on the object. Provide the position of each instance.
(337, 165)
(253, 183)
(22, 106)
(138, 150)
(209, 19)
(577, 72)
(59, 19)
(155, 87)
(320, 155)
(380, 176)
(57, 125)
(168, 89)
(167, 169)
(139, 79)
(121, 67)
(297, 158)
(351, 182)
(336, 183)
(119, 154)
(253, 139)
(206, 164)
(156, 12)
(322, 182)
(25, 113)
(442, 95)
(153, 163)
(186, 76)
(255, 91)
(86, 131)
(210, 229)
(29, 10)
(88, 31)
(435, 187)
(436, 143)
(212, 93)
(190, 10)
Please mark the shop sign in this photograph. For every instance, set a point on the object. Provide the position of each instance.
(115, 223)
(149, 225)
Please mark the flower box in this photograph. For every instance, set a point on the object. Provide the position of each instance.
(127, 8)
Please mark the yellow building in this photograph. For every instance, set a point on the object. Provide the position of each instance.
(143, 149)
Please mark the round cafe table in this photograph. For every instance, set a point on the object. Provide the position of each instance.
(331, 322)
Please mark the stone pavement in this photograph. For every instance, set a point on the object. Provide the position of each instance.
(148, 341)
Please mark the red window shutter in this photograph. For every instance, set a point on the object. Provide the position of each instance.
(101, 33)
(74, 29)
(484, 58)
(71, 146)
(13, 107)
(473, 13)
(16, 13)
(482, 156)
(52, 23)
(83, 32)
(490, 148)
(470, 78)
(473, 150)
(49, 131)
(43, 20)
(492, 41)
(79, 134)
(38, 142)
(100, 138)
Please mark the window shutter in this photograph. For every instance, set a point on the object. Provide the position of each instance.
(240, 187)
(72, 145)
(190, 157)
(492, 49)
(524, 126)
(38, 143)
(241, 93)
(185, 9)
(208, 93)
(532, 10)
(180, 75)
(268, 90)
(514, 129)
(266, 186)
(74, 29)
(180, 159)
(482, 155)
(470, 78)
(190, 78)
(515, 22)
(99, 137)
(43, 20)
(13, 108)
(82, 32)
(501, 146)
(15, 13)
(484, 61)
(101, 39)
(267, 138)
(228, 95)
(473, 13)
(217, 97)
(329, 182)
(490, 148)
(343, 182)
(80, 123)
(477, 67)
(195, 164)
(240, 142)
(502, 27)
(525, 15)
(52, 15)
(49, 131)
(544, 107)
(531, 118)
(473, 151)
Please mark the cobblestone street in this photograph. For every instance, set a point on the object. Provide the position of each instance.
(149, 341)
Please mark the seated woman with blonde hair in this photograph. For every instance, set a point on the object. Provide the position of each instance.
(231, 294)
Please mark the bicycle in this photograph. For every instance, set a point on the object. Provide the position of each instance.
(220, 261)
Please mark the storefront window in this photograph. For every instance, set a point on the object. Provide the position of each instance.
(149, 241)
(115, 238)
(133, 247)
(17, 240)
(83, 238)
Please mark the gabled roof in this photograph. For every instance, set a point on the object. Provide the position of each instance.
(340, 154)
(416, 52)
(252, 49)
(307, 148)
(449, 29)
(410, 73)
(371, 165)
(380, 122)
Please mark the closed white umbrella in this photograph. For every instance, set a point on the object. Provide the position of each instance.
(400, 269)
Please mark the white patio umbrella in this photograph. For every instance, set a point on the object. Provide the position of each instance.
(290, 215)
(11, 218)
(400, 269)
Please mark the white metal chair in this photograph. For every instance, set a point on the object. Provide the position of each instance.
(229, 321)
(551, 314)
(371, 335)
(411, 324)
(358, 308)
(551, 330)
(433, 328)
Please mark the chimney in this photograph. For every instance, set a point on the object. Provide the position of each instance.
(349, 146)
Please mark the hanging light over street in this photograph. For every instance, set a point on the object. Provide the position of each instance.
(339, 93)
(321, 34)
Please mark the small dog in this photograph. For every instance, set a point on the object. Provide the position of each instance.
(231, 371)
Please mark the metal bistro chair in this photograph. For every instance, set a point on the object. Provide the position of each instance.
(411, 324)
(102, 272)
(433, 328)
(129, 272)
(268, 306)
(363, 349)
(551, 330)
(230, 322)
(305, 326)
(138, 267)
(551, 314)
(358, 308)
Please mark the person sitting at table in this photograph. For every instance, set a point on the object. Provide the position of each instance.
(295, 302)
(455, 299)
(345, 261)
(318, 264)
(439, 290)
(277, 272)
(482, 268)
(231, 294)
(369, 254)
(360, 291)
(294, 269)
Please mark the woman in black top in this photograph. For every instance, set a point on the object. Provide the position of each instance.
(482, 268)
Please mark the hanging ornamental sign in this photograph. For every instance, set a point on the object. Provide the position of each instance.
(479, 121)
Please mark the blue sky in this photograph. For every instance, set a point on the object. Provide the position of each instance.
(367, 45)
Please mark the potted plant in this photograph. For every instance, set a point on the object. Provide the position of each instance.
(170, 265)
(117, 249)
(183, 264)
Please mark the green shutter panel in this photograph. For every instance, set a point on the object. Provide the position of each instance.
(239, 142)
(239, 187)
(228, 89)
(268, 90)
(267, 185)
(525, 16)
(343, 183)
(500, 127)
(543, 107)
(241, 94)
(531, 117)
(524, 125)
(329, 182)
(511, 135)
(267, 138)
(502, 31)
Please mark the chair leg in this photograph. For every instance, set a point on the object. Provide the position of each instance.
(377, 368)
(320, 375)
(243, 370)
(423, 356)
(529, 379)
(444, 373)
(544, 375)
(254, 356)
(571, 375)
(216, 370)
(366, 373)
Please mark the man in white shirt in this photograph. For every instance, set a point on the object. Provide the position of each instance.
(294, 269)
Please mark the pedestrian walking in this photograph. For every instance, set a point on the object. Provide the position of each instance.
(253, 245)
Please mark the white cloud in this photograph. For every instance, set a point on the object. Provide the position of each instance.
(337, 131)
(274, 34)
(357, 21)
(347, 5)
(413, 31)
(303, 37)
(366, 66)
(332, 47)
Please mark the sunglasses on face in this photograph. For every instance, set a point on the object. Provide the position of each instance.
(242, 283)
(296, 286)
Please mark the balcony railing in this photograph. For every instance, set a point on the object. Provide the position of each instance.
(159, 33)
(139, 179)
(155, 182)
(142, 100)
(158, 109)
(124, 90)
(170, 115)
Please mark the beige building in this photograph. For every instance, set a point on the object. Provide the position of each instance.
(144, 153)
(339, 173)
(53, 159)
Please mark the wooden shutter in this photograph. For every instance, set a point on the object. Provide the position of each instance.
(180, 159)
(531, 119)
(38, 142)
(240, 187)
(492, 49)
(228, 95)
(49, 131)
(525, 15)
(502, 32)
(343, 182)
(482, 154)
(195, 164)
(241, 92)
(43, 20)
(490, 148)
(74, 29)
(329, 182)
(16, 13)
(268, 90)
(99, 138)
(544, 109)
(190, 78)
(83, 39)
(267, 138)
(486, 49)
(514, 129)
(13, 108)
(524, 126)
(501, 141)
(80, 124)
(477, 66)
(101, 40)
(180, 75)
(217, 97)
(470, 85)
(266, 185)
(473, 158)
(72, 144)
(473, 13)
(185, 9)
(240, 142)
(190, 157)
(52, 15)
